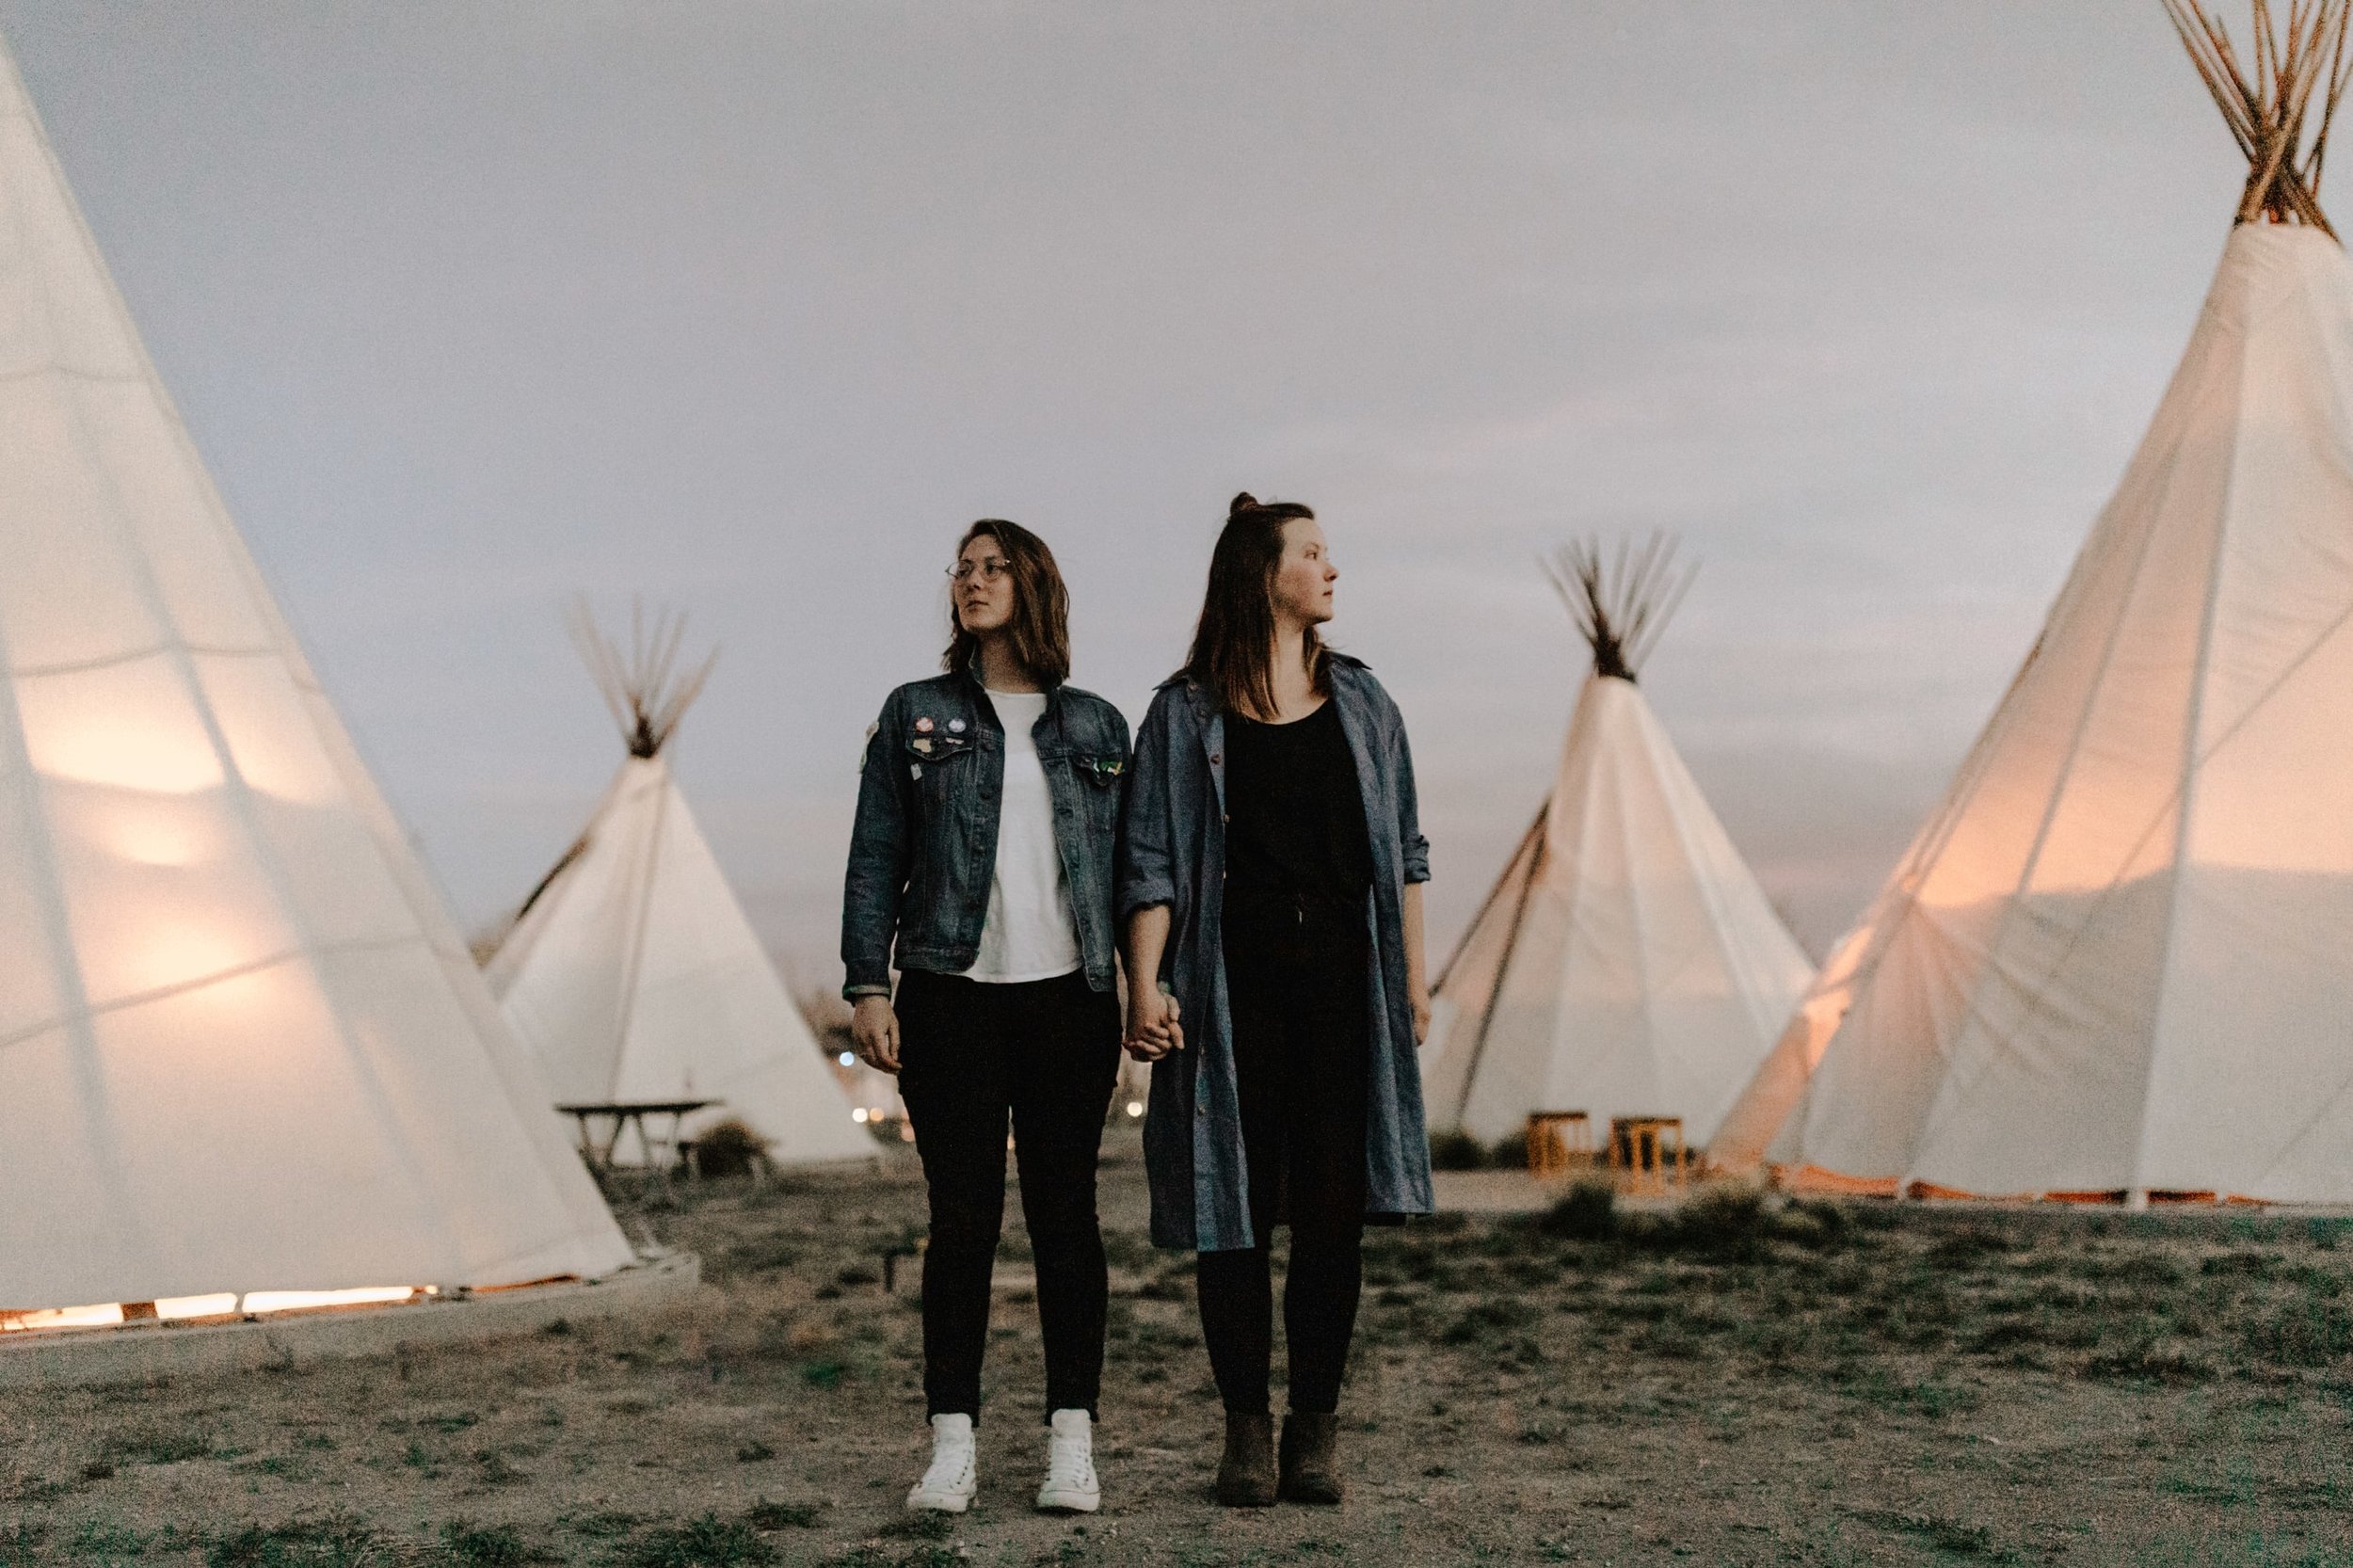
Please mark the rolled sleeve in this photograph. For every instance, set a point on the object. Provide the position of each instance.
(1146, 871)
(1413, 849)
(880, 848)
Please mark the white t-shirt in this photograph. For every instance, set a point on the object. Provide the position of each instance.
(1030, 934)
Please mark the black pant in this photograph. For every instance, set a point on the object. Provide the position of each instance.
(1048, 1052)
(1302, 1055)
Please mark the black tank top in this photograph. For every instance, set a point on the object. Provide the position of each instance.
(1297, 851)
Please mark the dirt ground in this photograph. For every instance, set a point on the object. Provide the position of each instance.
(1733, 1382)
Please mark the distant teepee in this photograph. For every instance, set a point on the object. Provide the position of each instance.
(2115, 961)
(1627, 962)
(244, 1055)
(630, 970)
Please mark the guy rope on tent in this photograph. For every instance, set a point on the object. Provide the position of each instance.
(2268, 106)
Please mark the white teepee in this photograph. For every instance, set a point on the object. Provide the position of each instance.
(242, 1048)
(1627, 963)
(632, 971)
(2119, 958)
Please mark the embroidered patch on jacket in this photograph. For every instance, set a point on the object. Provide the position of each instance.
(923, 725)
(956, 726)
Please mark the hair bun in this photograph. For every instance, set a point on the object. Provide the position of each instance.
(1245, 502)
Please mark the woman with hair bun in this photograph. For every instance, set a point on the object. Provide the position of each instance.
(1270, 872)
(981, 865)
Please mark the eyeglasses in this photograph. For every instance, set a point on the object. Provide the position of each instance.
(991, 571)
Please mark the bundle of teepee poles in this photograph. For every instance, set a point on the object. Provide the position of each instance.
(642, 684)
(2269, 101)
(1620, 606)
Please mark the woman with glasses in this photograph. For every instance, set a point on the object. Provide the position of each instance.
(1271, 872)
(981, 868)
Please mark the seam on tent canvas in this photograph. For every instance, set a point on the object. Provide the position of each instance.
(148, 650)
(1933, 1123)
(644, 893)
(2185, 813)
(1718, 934)
(237, 971)
(54, 367)
(1634, 902)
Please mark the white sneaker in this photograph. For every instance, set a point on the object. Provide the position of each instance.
(955, 1475)
(1070, 1487)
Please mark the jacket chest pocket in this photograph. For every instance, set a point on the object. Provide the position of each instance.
(1097, 777)
(937, 763)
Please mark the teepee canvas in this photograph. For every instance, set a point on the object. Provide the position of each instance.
(632, 971)
(1627, 963)
(242, 1048)
(2119, 958)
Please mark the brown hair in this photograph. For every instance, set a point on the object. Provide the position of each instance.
(1040, 627)
(1233, 645)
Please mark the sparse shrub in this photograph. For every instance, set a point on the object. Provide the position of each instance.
(2145, 1361)
(2303, 1333)
(728, 1149)
(766, 1515)
(1508, 1152)
(1720, 1221)
(1588, 1212)
(1456, 1150)
(704, 1543)
(1485, 1319)
(468, 1546)
(332, 1542)
(920, 1527)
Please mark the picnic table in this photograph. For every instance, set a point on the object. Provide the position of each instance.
(625, 1114)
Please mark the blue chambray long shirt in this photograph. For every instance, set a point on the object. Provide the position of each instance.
(1172, 852)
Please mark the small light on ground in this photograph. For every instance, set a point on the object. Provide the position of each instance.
(858, 1114)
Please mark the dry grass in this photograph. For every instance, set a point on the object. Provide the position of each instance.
(1740, 1380)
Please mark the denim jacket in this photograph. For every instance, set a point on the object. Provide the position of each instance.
(1172, 852)
(925, 850)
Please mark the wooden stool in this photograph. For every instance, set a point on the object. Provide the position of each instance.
(1557, 1141)
(1651, 1150)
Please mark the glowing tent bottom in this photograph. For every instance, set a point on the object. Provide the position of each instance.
(2113, 1055)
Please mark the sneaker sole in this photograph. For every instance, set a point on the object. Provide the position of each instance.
(1069, 1502)
(937, 1502)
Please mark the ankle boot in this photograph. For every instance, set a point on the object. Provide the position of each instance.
(1311, 1465)
(1245, 1476)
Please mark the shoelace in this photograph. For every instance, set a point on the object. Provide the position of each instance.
(1069, 1462)
(948, 1470)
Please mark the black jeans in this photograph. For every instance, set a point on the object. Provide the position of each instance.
(1302, 1055)
(1046, 1053)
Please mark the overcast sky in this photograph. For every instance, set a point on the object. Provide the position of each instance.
(747, 308)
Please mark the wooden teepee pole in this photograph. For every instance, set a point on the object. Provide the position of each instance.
(2268, 106)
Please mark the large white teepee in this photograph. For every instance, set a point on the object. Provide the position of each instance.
(1627, 962)
(631, 970)
(242, 1048)
(2119, 958)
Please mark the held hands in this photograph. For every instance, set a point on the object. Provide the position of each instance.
(1152, 1028)
(875, 1029)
